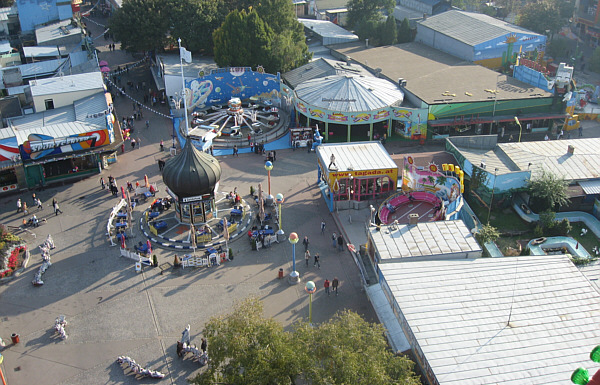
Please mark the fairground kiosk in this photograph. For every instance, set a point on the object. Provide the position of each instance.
(353, 175)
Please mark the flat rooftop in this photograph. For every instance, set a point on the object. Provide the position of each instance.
(437, 77)
(511, 320)
(356, 156)
(425, 239)
(552, 155)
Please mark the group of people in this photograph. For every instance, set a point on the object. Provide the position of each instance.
(317, 259)
(112, 185)
(34, 221)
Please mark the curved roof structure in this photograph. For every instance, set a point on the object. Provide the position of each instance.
(192, 172)
(347, 93)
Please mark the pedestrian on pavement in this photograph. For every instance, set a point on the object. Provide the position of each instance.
(580, 131)
(316, 262)
(133, 143)
(333, 239)
(307, 257)
(340, 242)
(334, 285)
(102, 184)
(274, 155)
(251, 146)
(203, 345)
(305, 242)
(56, 207)
(25, 211)
(139, 142)
(162, 146)
(34, 199)
(39, 204)
(322, 227)
(235, 150)
(19, 205)
(250, 140)
(546, 137)
(326, 286)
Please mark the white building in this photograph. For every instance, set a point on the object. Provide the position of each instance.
(62, 91)
(510, 320)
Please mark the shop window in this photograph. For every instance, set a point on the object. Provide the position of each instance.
(7, 177)
(49, 104)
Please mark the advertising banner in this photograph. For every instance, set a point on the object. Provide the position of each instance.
(38, 146)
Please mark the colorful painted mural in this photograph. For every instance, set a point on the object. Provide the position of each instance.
(38, 146)
(222, 84)
(430, 179)
(9, 149)
(508, 45)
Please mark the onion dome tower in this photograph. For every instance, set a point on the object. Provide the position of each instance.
(191, 179)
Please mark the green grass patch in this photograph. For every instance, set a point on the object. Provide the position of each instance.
(504, 220)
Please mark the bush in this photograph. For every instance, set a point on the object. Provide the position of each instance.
(563, 227)
(230, 252)
(526, 251)
(538, 231)
(154, 260)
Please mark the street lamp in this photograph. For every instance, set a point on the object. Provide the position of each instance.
(294, 275)
(311, 289)
(279, 200)
(269, 167)
(520, 128)
(492, 200)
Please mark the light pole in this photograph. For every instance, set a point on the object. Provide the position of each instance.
(495, 100)
(279, 200)
(310, 288)
(177, 99)
(492, 200)
(294, 275)
(269, 167)
(520, 128)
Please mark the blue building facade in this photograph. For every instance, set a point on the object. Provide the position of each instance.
(37, 12)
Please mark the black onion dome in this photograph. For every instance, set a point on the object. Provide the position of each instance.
(192, 172)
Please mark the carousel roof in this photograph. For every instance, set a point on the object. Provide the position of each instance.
(347, 93)
(192, 172)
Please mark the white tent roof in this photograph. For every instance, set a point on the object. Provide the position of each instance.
(347, 93)
(509, 320)
(356, 156)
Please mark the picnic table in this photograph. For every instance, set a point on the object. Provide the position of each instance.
(121, 225)
(153, 214)
(236, 212)
(161, 225)
(121, 215)
(121, 236)
(263, 232)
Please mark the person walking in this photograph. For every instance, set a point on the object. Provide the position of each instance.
(235, 150)
(305, 242)
(203, 345)
(250, 140)
(340, 242)
(307, 257)
(102, 184)
(25, 211)
(333, 239)
(162, 146)
(39, 204)
(139, 142)
(56, 207)
(316, 262)
(19, 205)
(334, 284)
(326, 286)
(322, 227)
(133, 143)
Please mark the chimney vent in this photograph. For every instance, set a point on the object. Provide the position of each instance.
(570, 149)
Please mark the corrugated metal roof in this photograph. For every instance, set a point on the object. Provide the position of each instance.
(356, 156)
(63, 121)
(326, 29)
(4, 12)
(69, 83)
(320, 68)
(349, 93)
(78, 58)
(17, 90)
(54, 31)
(471, 28)
(323, 5)
(510, 320)
(41, 68)
(591, 187)
(5, 47)
(6, 133)
(41, 51)
(424, 240)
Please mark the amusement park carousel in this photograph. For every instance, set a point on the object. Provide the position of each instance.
(193, 214)
(236, 120)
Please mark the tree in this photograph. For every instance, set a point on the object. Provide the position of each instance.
(541, 16)
(487, 233)
(360, 11)
(548, 191)
(247, 348)
(194, 21)
(142, 25)
(404, 32)
(6, 3)
(388, 31)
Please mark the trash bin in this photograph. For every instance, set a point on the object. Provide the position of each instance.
(280, 274)
(15, 338)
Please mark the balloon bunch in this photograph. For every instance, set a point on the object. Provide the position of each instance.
(59, 326)
(137, 369)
